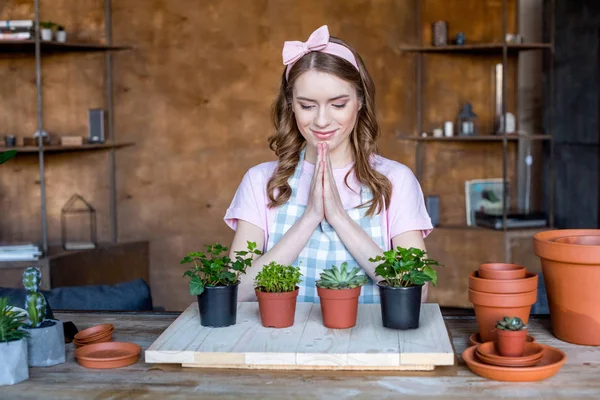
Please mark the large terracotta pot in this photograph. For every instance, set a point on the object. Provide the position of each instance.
(339, 307)
(277, 310)
(571, 267)
(527, 284)
(492, 307)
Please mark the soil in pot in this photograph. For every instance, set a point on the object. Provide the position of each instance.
(492, 307)
(511, 343)
(46, 344)
(218, 305)
(571, 270)
(400, 306)
(277, 310)
(339, 307)
(501, 271)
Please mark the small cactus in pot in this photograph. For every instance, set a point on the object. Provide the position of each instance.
(512, 334)
(339, 289)
(46, 342)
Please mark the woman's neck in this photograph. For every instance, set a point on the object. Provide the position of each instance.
(340, 156)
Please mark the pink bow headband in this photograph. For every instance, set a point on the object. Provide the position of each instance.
(318, 41)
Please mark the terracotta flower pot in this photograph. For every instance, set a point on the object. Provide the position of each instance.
(277, 310)
(339, 307)
(501, 271)
(492, 307)
(527, 284)
(511, 343)
(571, 266)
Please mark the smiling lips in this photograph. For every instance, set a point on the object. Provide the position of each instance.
(323, 135)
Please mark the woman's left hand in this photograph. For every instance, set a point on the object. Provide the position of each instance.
(334, 209)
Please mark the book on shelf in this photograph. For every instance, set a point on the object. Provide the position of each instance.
(20, 252)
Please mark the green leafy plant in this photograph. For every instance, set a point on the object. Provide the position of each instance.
(35, 302)
(47, 25)
(341, 278)
(212, 269)
(11, 323)
(511, 324)
(277, 278)
(402, 267)
(7, 155)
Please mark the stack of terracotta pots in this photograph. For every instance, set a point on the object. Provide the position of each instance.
(498, 290)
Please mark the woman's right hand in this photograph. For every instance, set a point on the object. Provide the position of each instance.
(315, 210)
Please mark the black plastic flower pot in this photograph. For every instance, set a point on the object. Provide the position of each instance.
(400, 306)
(218, 305)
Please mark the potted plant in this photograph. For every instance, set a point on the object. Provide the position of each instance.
(338, 291)
(215, 280)
(512, 333)
(46, 30)
(404, 272)
(7, 155)
(13, 345)
(276, 287)
(61, 34)
(46, 339)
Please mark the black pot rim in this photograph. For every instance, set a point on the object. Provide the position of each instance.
(384, 285)
(221, 287)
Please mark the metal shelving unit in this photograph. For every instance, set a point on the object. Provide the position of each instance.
(39, 47)
(486, 49)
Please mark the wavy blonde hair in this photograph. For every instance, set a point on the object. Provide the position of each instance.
(287, 141)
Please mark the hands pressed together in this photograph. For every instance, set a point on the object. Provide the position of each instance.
(324, 200)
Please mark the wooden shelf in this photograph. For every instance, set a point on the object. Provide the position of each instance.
(28, 46)
(480, 228)
(62, 149)
(476, 138)
(480, 48)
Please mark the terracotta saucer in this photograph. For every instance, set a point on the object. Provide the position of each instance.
(101, 340)
(475, 339)
(94, 332)
(108, 355)
(532, 351)
(89, 339)
(552, 360)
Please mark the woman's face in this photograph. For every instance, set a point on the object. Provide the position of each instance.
(326, 108)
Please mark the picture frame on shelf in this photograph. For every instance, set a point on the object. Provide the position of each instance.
(485, 195)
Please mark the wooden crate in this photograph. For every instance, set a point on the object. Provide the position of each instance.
(306, 345)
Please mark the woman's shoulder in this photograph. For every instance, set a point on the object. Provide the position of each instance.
(395, 171)
(262, 171)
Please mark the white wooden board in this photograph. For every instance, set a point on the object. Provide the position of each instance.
(308, 344)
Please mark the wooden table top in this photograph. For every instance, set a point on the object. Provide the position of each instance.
(579, 378)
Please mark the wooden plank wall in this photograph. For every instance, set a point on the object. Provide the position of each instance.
(195, 94)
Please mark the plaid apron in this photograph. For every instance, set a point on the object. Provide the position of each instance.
(324, 248)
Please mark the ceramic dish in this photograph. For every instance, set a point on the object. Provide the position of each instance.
(551, 362)
(94, 332)
(475, 339)
(488, 353)
(108, 355)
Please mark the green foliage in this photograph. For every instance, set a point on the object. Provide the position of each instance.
(35, 302)
(7, 155)
(340, 278)
(212, 269)
(277, 278)
(47, 25)
(406, 267)
(11, 323)
(511, 324)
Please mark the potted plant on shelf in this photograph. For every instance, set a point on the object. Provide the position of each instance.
(46, 337)
(512, 333)
(7, 155)
(338, 291)
(276, 287)
(61, 34)
(215, 280)
(404, 272)
(13, 345)
(46, 30)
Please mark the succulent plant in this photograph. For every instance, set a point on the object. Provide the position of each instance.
(35, 302)
(511, 324)
(11, 322)
(341, 278)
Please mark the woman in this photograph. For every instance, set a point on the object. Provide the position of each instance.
(330, 197)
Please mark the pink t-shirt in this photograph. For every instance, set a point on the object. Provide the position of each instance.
(406, 212)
